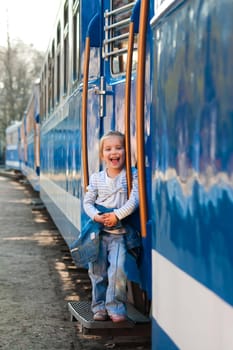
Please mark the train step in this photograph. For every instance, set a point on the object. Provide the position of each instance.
(136, 323)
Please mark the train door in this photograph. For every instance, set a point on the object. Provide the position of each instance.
(109, 103)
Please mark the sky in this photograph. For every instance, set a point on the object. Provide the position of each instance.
(31, 21)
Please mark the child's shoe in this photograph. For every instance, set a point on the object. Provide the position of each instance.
(118, 318)
(100, 316)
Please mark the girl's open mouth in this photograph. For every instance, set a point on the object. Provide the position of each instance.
(115, 161)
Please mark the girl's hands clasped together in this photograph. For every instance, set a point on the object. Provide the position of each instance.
(107, 219)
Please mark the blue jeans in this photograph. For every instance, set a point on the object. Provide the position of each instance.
(108, 275)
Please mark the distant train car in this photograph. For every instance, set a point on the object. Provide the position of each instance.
(160, 71)
(30, 139)
(12, 153)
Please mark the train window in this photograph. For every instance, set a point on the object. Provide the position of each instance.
(75, 40)
(49, 83)
(52, 74)
(41, 96)
(45, 91)
(66, 63)
(66, 14)
(30, 117)
(66, 47)
(58, 60)
(43, 88)
(58, 34)
(116, 35)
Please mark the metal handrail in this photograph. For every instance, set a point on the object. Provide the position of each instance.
(127, 107)
(84, 113)
(140, 97)
(117, 24)
(115, 53)
(119, 10)
(115, 38)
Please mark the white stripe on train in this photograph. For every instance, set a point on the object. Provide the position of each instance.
(69, 205)
(194, 317)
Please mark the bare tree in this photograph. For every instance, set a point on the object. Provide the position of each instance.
(20, 65)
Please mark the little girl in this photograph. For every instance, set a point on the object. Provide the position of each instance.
(108, 188)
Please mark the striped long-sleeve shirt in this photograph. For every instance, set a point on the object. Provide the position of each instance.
(111, 193)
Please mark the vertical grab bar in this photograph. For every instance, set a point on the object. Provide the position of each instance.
(84, 113)
(127, 108)
(140, 96)
(133, 28)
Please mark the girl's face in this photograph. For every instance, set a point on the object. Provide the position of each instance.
(113, 154)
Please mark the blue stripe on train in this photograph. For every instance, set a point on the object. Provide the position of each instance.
(160, 339)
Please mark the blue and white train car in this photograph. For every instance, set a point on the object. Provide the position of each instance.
(12, 152)
(192, 174)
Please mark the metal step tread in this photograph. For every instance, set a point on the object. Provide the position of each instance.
(81, 311)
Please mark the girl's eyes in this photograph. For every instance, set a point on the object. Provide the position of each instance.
(109, 149)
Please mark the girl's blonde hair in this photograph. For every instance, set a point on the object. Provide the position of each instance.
(109, 134)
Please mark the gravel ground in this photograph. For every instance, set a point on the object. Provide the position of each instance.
(38, 278)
